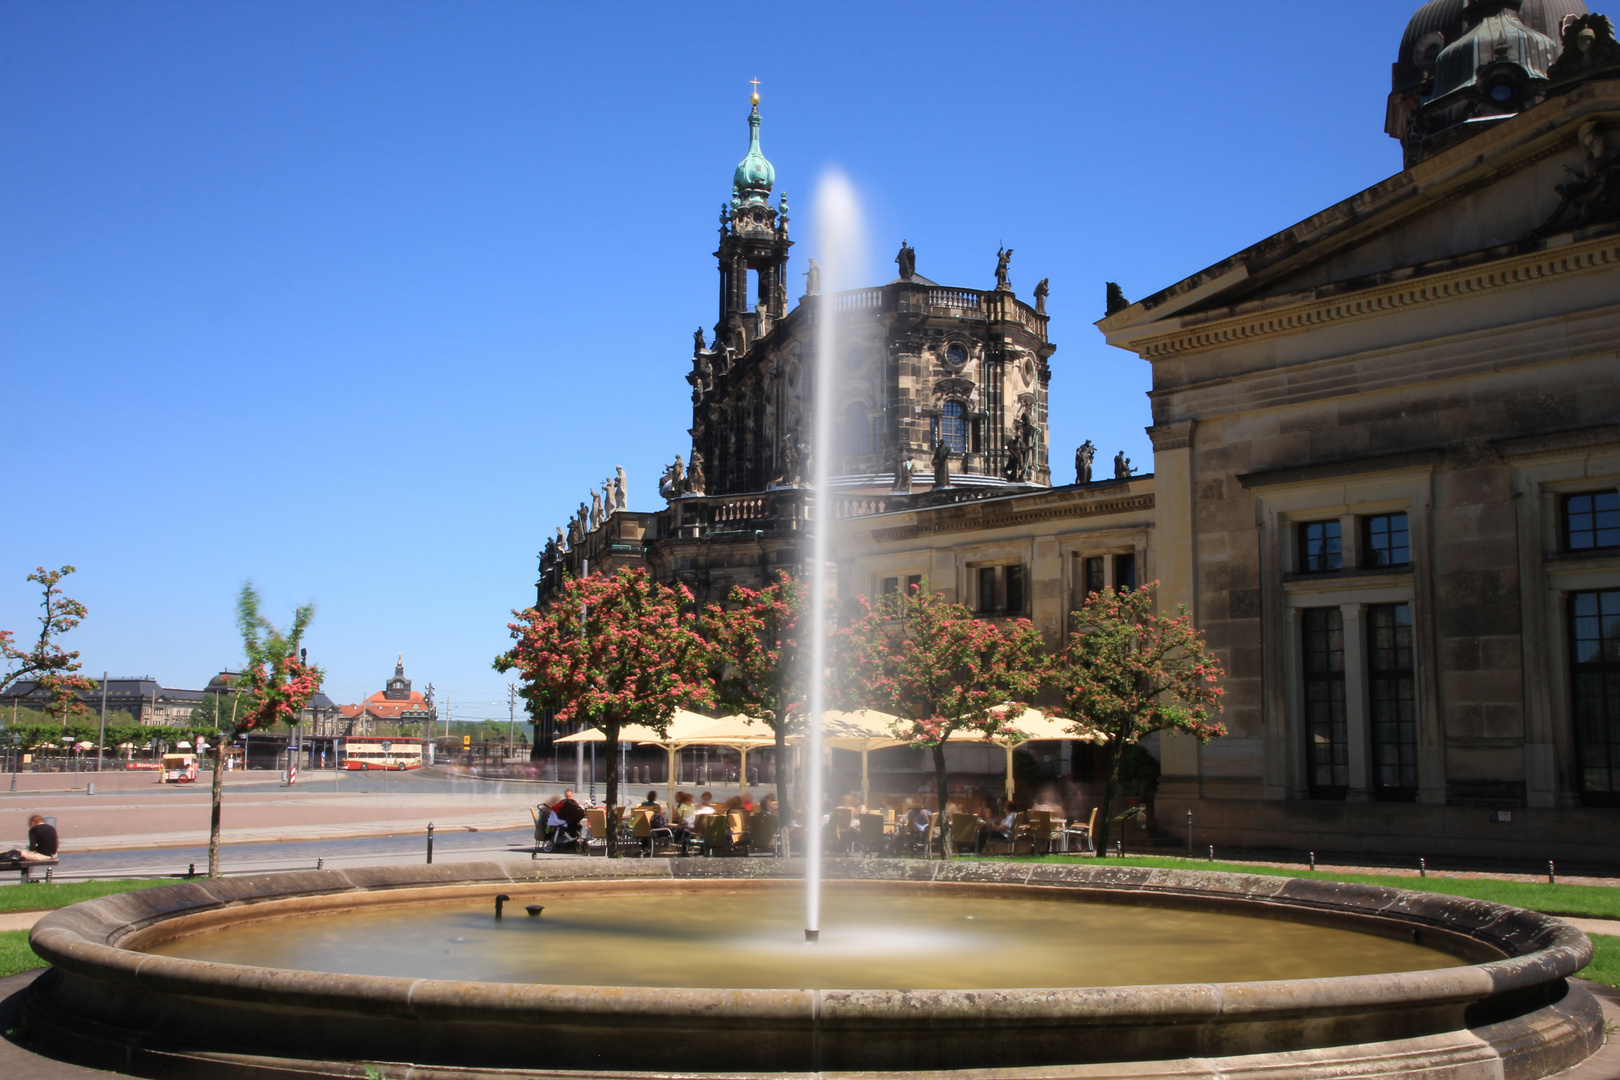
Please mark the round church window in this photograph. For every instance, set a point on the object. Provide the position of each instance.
(956, 354)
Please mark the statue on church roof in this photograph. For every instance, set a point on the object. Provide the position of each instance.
(621, 491)
(673, 482)
(907, 261)
(942, 464)
(695, 482)
(1082, 462)
(1122, 466)
(698, 346)
(902, 473)
(812, 279)
(595, 520)
(1116, 299)
(607, 498)
(562, 541)
(1003, 257)
(1041, 292)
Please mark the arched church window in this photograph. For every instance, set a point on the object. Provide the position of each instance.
(953, 426)
(857, 430)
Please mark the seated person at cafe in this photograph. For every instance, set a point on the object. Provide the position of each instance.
(651, 803)
(767, 805)
(41, 844)
(567, 816)
(706, 804)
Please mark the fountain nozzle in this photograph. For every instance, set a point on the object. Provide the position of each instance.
(812, 936)
(534, 910)
(500, 900)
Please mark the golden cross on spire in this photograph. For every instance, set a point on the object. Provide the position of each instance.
(755, 98)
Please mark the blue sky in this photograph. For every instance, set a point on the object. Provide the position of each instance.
(357, 300)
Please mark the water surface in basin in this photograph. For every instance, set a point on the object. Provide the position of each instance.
(753, 938)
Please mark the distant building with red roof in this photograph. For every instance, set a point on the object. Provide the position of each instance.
(395, 704)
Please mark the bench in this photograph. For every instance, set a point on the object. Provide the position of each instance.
(25, 869)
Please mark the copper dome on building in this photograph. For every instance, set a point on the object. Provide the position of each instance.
(1440, 22)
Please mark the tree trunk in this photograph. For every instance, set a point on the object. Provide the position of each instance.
(942, 827)
(1110, 785)
(611, 732)
(213, 813)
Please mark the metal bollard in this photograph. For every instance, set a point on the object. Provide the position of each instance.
(48, 870)
(1119, 849)
(191, 870)
(1423, 868)
(1552, 873)
(1189, 834)
(430, 843)
(1313, 862)
(90, 788)
(320, 864)
(1212, 853)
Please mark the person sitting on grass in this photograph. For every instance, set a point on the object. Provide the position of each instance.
(41, 844)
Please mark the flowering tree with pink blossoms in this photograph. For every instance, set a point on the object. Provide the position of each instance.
(276, 683)
(931, 663)
(609, 651)
(1129, 671)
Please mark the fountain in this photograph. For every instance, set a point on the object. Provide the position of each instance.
(309, 973)
(839, 232)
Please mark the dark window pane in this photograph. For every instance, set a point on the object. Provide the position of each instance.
(857, 431)
(1094, 574)
(1321, 547)
(1594, 686)
(1124, 571)
(1392, 700)
(1015, 590)
(1327, 742)
(1592, 520)
(1385, 541)
(891, 585)
(987, 590)
(913, 582)
(953, 426)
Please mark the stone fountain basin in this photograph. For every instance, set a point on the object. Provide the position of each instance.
(1509, 1013)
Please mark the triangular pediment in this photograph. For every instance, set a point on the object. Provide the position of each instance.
(1495, 196)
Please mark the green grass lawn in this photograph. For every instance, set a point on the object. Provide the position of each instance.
(37, 896)
(1590, 901)
(15, 955)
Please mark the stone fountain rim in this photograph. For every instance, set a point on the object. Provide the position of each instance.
(84, 939)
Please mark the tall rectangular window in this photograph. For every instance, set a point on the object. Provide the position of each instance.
(913, 583)
(891, 585)
(1592, 520)
(1392, 697)
(1385, 541)
(1015, 590)
(1094, 574)
(987, 590)
(1321, 548)
(1595, 693)
(1125, 571)
(1327, 742)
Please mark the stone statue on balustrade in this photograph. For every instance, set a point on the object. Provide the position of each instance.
(695, 484)
(942, 464)
(562, 541)
(548, 557)
(1041, 292)
(902, 474)
(596, 510)
(698, 347)
(1122, 466)
(1003, 257)
(792, 474)
(607, 498)
(673, 482)
(1082, 462)
(812, 279)
(621, 491)
(907, 261)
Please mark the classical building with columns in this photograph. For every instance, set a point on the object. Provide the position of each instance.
(1386, 477)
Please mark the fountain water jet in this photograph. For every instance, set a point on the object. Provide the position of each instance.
(839, 235)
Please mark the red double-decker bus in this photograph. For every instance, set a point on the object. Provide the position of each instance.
(378, 752)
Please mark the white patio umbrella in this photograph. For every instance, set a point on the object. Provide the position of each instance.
(734, 732)
(860, 730)
(1032, 725)
(681, 726)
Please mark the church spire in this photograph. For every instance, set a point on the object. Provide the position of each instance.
(751, 185)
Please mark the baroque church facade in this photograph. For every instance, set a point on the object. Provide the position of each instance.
(1386, 474)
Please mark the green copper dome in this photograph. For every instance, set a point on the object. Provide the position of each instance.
(754, 177)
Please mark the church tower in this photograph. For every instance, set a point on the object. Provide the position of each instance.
(753, 251)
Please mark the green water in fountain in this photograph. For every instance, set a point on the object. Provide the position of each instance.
(900, 939)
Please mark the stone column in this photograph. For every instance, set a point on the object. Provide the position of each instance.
(1175, 559)
(1357, 736)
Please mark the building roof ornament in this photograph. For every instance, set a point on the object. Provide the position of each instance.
(755, 176)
